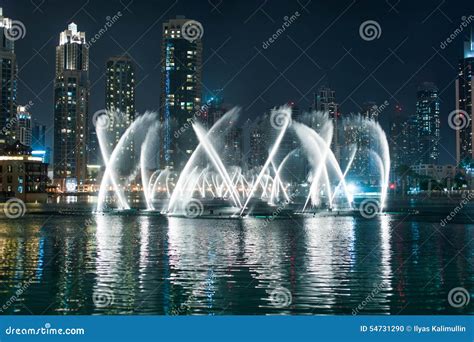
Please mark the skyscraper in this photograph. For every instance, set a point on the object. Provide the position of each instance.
(180, 90)
(38, 136)
(38, 142)
(8, 79)
(71, 97)
(464, 103)
(120, 100)
(427, 121)
(258, 141)
(399, 139)
(232, 137)
(23, 126)
(325, 101)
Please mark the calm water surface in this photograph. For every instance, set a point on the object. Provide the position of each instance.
(156, 265)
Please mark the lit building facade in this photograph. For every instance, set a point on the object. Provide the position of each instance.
(23, 126)
(38, 142)
(8, 85)
(120, 102)
(258, 141)
(22, 175)
(427, 124)
(71, 97)
(325, 101)
(464, 104)
(180, 97)
(437, 172)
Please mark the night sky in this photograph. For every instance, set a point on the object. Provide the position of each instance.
(321, 47)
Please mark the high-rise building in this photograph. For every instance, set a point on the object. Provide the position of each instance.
(325, 101)
(120, 93)
(258, 141)
(215, 108)
(71, 97)
(399, 139)
(8, 79)
(180, 90)
(23, 126)
(38, 142)
(413, 131)
(38, 136)
(120, 101)
(464, 104)
(427, 121)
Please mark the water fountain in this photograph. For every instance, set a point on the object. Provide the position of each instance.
(208, 181)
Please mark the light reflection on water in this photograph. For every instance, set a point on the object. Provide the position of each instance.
(157, 265)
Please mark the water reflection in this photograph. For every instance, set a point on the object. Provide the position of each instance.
(153, 265)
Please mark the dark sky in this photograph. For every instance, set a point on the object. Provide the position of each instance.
(323, 46)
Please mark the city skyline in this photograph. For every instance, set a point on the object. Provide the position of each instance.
(215, 58)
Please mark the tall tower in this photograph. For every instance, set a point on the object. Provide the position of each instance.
(120, 99)
(71, 97)
(427, 120)
(399, 139)
(325, 101)
(180, 95)
(8, 79)
(464, 103)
